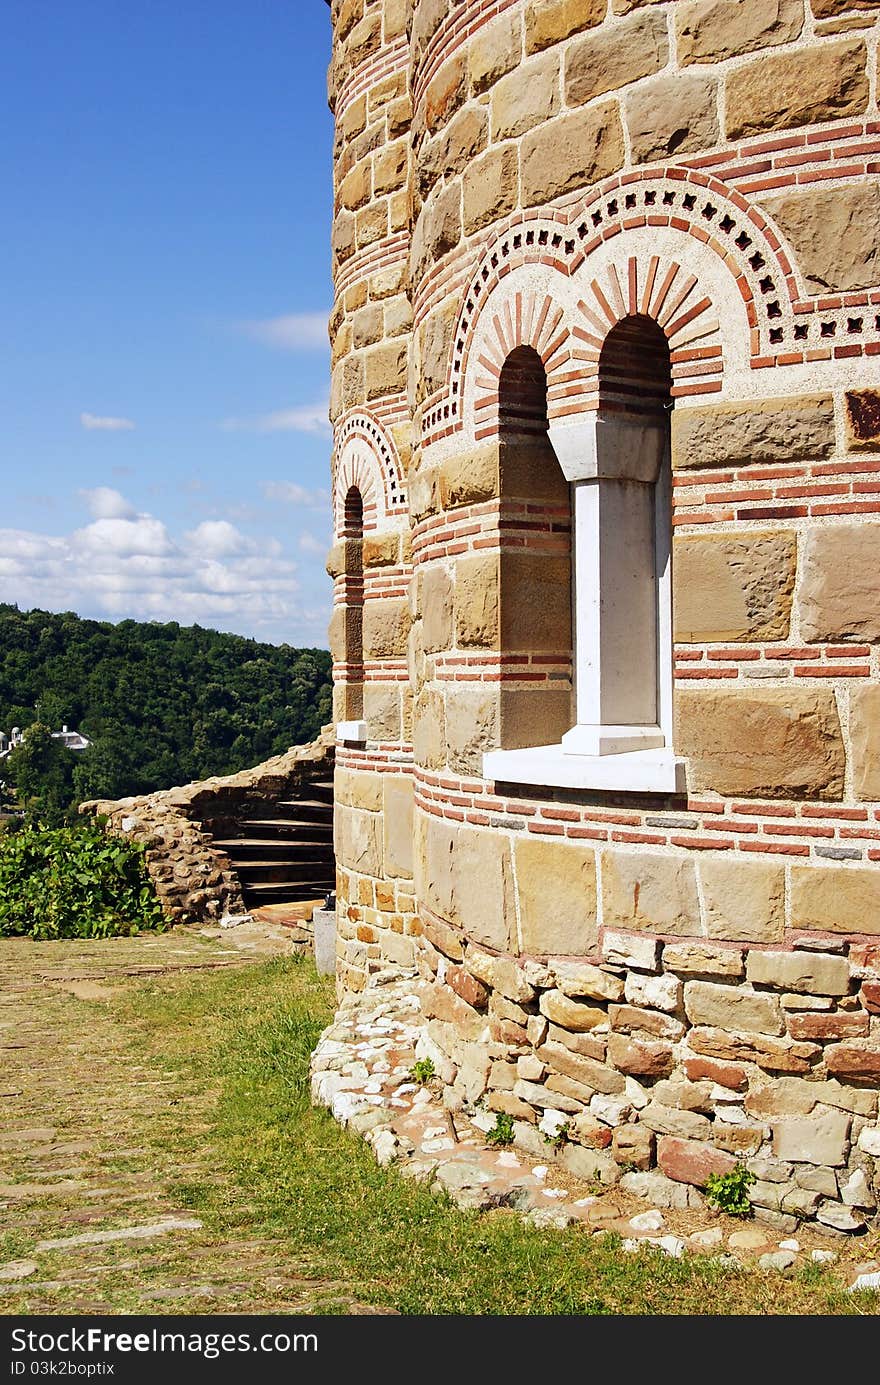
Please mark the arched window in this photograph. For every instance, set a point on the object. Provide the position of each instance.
(353, 606)
(535, 565)
(617, 461)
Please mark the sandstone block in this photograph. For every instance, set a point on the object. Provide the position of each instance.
(744, 903)
(436, 606)
(381, 550)
(733, 588)
(397, 824)
(836, 899)
(477, 624)
(731, 1007)
(723, 1074)
(455, 149)
(571, 1014)
(838, 593)
(438, 229)
(650, 892)
(500, 974)
(822, 1138)
(551, 21)
(469, 477)
(359, 845)
(609, 59)
(768, 1052)
(355, 789)
(814, 973)
(586, 1130)
(766, 743)
(537, 1095)
(582, 979)
(525, 97)
(536, 603)
(665, 1120)
(833, 233)
(468, 881)
(494, 49)
(828, 82)
(594, 1165)
(672, 116)
(691, 1161)
(864, 958)
(429, 729)
(590, 1045)
(490, 186)
(699, 961)
(772, 431)
(843, 1024)
(473, 728)
(382, 711)
(572, 151)
(640, 1057)
(856, 1061)
(624, 950)
(434, 343)
(439, 1002)
(446, 92)
(582, 1068)
(628, 1019)
(511, 1105)
(654, 992)
(468, 987)
(556, 889)
(535, 715)
(633, 1145)
(862, 418)
(386, 626)
(709, 31)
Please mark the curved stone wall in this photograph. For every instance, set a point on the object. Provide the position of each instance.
(687, 967)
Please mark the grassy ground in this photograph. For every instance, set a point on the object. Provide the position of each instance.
(200, 1106)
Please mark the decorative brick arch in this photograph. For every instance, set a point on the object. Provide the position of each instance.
(661, 224)
(367, 459)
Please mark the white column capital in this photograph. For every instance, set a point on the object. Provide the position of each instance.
(613, 447)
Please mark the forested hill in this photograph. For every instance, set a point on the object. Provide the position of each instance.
(162, 704)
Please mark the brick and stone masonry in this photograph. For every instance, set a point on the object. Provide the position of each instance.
(606, 487)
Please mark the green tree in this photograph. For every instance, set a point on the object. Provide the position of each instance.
(41, 772)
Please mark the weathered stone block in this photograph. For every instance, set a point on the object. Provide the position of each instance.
(691, 1161)
(767, 1051)
(862, 419)
(359, 840)
(664, 1120)
(833, 233)
(672, 116)
(733, 588)
(827, 82)
(864, 723)
(654, 992)
(611, 58)
(629, 1019)
(838, 593)
(842, 1024)
(477, 624)
(382, 711)
(586, 1130)
(709, 31)
(836, 899)
(731, 1007)
(386, 626)
(572, 151)
(535, 715)
(771, 743)
(439, 1002)
(582, 979)
(723, 1074)
(381, 550)
(624, 950)
(699, 961)
(469, 988)
(735, 435)
(526, 97)
(582, 1069)
(856, 1061)
(436, 606)
(640, 1057)
(429, 729)
(571, 1014)
(551, 21)
(490, 186)
(473, 729)
(355, 789)
(494, 49)
(650, 892)
(535, 603)
(822, 1138)
(556, 889)
(397, 824)
(814, 973)
(743, 903)
(469, 477)
(633, 1145)
(455, 860)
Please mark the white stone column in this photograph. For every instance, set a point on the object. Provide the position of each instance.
(613, 463)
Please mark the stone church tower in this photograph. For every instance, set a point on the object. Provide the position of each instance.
(606, 489)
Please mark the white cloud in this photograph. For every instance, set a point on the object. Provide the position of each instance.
(291, 332)
(105, 423)
(215, 538)
(290, 493)
(303, 418)
(107, 503)
(310, 544)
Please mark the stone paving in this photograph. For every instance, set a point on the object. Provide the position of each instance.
(362, 1070)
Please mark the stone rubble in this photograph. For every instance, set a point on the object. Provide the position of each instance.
(362, 1070)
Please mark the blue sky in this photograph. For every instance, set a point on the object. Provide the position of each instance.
(166, 175)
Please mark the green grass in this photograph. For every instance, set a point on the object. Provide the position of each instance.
(291, 1174)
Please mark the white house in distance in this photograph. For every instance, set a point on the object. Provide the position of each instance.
(72, 740)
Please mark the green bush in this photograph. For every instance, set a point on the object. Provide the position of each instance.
(74, 882)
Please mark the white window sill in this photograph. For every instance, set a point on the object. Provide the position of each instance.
(355, 731)
(633, 771)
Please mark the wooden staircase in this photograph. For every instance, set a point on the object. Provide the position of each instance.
(286, 856)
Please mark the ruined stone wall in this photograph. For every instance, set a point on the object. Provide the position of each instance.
(560, 168)
(193, 877)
